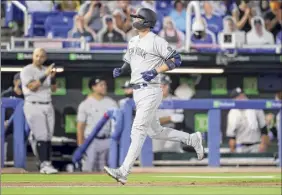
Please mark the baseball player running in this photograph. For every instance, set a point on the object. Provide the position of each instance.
(38, 82)
(147, 56)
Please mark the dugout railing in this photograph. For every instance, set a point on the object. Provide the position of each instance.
(123, 121)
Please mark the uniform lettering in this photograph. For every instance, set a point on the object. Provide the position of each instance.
(138, 51)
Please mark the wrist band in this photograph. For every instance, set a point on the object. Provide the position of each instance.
(42, 79)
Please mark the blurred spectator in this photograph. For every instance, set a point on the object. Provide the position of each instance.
(230, 6)
(207, 37)
(264, 7)
(246, 128)
(39, 6)
(81, 30)
(242, 15)
(110, 33)
(219, 8)
(258, 34)
(273, 18)
(230, 27)
(93, 12)
(123, 19)
(171, 34)
(178, 15)
(68, 5)
(214, 22)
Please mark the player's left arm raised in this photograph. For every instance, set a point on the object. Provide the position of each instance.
(53, 81)
(170, 56)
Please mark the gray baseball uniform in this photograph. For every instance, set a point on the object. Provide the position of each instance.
(90, 111)
(245, 126)
(38, 108)
(144, 54)
(163, 145)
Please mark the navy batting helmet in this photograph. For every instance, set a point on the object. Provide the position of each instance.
(147, 16)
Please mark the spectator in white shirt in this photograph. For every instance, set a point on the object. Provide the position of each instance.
(258, 35)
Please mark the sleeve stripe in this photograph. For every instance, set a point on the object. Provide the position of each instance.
(170, 55)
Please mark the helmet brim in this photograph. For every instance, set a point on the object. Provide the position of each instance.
(136, 16)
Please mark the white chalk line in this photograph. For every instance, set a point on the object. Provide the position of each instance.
(216, 177)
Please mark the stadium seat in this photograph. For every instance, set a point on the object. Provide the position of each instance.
(38, 20)
(12, 13)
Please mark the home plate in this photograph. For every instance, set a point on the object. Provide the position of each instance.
(216, 177)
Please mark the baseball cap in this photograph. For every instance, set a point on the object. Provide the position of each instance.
(236, 92)
(165, 79)
(126, 85)
(95, 80)
(17, 76)
(109, 19)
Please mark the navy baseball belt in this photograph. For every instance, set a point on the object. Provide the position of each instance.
(247, 144)
(139, 85)
(45, 103)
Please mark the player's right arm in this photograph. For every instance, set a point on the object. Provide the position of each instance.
(171, 57)
(28, 81)
(81, 123)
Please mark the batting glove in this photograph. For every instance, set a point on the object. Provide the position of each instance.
(149, 75)
(117, 72)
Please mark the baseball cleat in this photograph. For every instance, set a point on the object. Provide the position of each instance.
(47, 168)
(196, 142)
(116, 174)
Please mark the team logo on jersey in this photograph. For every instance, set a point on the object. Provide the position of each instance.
(138, 51)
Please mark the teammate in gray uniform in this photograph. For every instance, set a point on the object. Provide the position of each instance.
(246, 129)
(128, 92)
(168, 118)
(147, 56)
(38, 82)
(90, 111)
